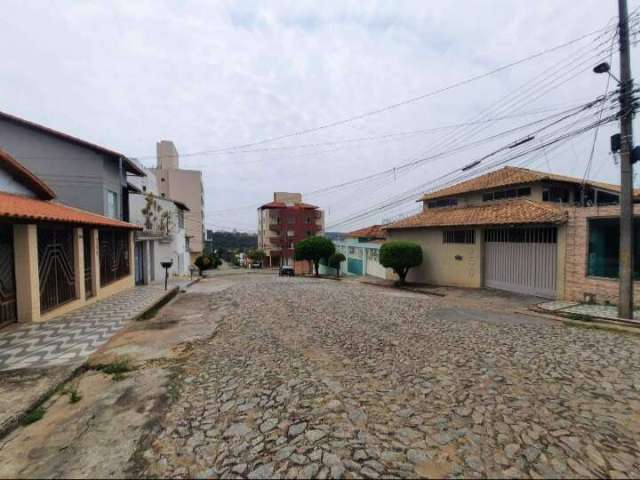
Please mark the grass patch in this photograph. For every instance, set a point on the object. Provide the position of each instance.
(74, 396)
(117, 368)
(34, 415)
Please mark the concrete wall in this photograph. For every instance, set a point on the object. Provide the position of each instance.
(79, 176)
(440, 266)
(577, 282)
(186, 186)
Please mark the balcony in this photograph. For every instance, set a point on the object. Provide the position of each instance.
(275, 227)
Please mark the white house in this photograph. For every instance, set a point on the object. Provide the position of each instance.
(163, 236)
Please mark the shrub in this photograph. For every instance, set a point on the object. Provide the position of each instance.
(335, 260)
(314, 249)
(203, 262)
(257, 255)
(400, 256)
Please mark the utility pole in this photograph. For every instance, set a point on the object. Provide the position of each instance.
(625, 303)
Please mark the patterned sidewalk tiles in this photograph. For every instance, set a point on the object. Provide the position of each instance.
(73, 337)
(609, 312)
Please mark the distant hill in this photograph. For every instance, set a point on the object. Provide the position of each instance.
(232, 240)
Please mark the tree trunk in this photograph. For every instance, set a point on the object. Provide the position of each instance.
(317, 267)
(402, 274)
(338, 272)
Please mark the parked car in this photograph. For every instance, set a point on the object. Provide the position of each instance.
(287, 270)
(256, 265)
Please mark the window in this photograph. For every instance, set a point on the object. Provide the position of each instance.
(308, 220)
(112, 204)
(509, 193)
(555, 194)
(291, 220)
(522, 235)
(459, 236)
(180, 219)
(604, 248)
(443, 202)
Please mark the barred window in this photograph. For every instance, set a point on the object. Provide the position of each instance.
(459, 236)
(443, 202)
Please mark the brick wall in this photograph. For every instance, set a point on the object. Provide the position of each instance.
(577, 283)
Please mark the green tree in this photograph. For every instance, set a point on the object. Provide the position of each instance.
(335, 260)
(400, 256)
(203, 263)
(314, 249)
(257, 255)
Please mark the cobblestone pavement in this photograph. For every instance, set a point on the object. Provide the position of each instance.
(315, 378)
(73, 337)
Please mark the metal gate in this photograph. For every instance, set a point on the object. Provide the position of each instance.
(55, 266)
(139, 263)
(521, 260)
(88, 258)
(8, 313)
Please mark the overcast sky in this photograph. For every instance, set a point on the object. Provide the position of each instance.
(210, 75)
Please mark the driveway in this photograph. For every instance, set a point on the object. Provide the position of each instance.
(318, 378)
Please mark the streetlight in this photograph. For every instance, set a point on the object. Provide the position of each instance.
(166, 264)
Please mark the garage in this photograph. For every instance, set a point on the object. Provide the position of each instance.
(522, 260)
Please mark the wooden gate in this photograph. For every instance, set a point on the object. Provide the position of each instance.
(55, 266)
(8, 313)
(521, 260)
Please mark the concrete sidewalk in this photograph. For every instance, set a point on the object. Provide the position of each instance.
(586, 311)
(36, 358)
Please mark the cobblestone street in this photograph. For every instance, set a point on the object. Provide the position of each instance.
(317, 378)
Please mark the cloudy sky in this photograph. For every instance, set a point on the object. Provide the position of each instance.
(212, 75)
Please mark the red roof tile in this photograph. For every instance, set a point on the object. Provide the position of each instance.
(23, 176)
(16, 207)
(511, 212)
(374, 231)
(511, 176)
(291, 205)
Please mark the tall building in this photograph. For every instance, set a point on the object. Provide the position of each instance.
(184, 186)
(283, 222)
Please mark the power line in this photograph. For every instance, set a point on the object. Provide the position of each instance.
(402, 103)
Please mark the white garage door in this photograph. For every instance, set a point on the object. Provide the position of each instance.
(521, 260)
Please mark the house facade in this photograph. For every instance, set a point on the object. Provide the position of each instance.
(361, 249)
(518, 230)
(186, 187)
(81, 174)
(284, 222)
(55, 258)
(163, 235)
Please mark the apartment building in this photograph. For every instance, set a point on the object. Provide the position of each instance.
(184, 186)
(283, 222)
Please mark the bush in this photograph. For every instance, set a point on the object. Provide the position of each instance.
(314, 249)
(203, 262)
(335, 260)
(400, 256)
(257, 255)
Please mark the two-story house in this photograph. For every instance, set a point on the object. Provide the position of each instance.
(81, 174)
(519, 230)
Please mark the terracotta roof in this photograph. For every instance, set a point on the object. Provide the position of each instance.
(16, 207)
(374, 231)
(25, 177)
(505, 213)
(511, 176)
(129, 165)
(292, 205)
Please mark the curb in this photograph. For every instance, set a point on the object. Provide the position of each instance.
(596, 322)
(406, 289)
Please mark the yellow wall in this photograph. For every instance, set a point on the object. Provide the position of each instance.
(439, 265)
